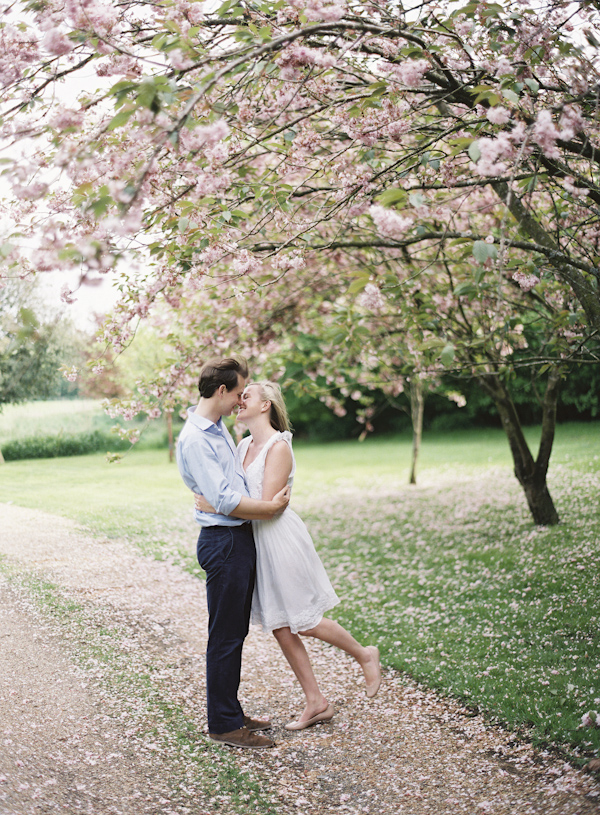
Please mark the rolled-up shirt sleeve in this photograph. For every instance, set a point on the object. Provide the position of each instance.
(209, 479)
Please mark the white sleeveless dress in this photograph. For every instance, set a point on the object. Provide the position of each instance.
(292, 588)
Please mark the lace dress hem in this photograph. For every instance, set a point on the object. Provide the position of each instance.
(281, 620)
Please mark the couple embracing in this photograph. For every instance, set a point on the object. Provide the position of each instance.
(259, 559)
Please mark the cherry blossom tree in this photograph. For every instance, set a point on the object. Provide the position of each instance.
(247, 158)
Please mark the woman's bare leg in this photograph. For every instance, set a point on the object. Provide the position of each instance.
(367, 656)
(295, 653)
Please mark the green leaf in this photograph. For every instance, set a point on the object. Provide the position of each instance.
(474, 151)
(28, 317)
(433, 342)
(147, 94)
(358, 285)
(391, 196)
(378, 88)
(510, 95)
(481, 251)
(490, 96)
(532, 85)
(121, 118)
(100, 205)
(490, 10)
(465, 289)
(447, 355)
(122, 87)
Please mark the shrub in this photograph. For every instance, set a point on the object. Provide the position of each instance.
(76, 444)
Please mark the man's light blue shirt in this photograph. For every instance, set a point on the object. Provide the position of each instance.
(207, 462)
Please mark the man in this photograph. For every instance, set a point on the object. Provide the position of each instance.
(226, 552)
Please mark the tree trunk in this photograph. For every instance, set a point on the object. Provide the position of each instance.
(417, 404)
(170, 433)
(531, 474)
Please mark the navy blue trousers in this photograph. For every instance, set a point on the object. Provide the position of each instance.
(228, 556)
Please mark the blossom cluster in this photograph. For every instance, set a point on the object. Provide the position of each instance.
(390, 223)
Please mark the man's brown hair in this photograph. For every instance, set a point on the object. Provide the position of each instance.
(217, 372)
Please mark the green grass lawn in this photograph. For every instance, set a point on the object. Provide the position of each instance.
(54, 416)
(450, 579)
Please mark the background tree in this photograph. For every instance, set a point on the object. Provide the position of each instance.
(32, 349)
(237, 147)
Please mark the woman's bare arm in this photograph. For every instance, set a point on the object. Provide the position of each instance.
(278, 466)
(252, 509)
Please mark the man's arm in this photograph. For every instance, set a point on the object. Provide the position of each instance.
(203, 474)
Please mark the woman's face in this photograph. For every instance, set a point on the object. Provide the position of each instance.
(252, 403)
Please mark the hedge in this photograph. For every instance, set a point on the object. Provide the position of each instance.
(76, 444)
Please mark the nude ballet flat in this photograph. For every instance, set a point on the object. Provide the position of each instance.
(325, 716)
(374, 686)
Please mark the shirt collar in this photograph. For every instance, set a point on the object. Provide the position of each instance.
(202, 422)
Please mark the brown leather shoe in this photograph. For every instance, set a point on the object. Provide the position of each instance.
(256, 724)
(242, 737)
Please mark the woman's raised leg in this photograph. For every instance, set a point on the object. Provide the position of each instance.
(367, 656)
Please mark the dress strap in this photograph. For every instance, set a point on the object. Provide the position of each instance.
(285, 435)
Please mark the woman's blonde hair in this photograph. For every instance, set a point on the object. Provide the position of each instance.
(271, 392)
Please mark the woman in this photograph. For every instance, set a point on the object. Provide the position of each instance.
(292, 589)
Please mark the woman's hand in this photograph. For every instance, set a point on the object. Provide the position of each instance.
(202, 504)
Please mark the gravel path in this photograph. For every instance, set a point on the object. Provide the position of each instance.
(83, 732)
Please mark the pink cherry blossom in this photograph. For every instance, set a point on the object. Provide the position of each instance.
(316, 11)
(179, 60)
(71, 373)
(371, 298)
(64, 118)
(498, 115)
(299, 55)
(119, 65)
(570, 186)
(545, 133)
(204, 135)
(390, 223)
(494, 152)
(56, 42)
(246, 263)
(590, 719)
(526, 281)
(412, 71)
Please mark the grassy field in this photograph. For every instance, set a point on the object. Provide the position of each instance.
(69, 417)
(450, 579)
(60, 415)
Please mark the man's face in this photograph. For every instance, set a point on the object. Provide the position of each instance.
(233, 398)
